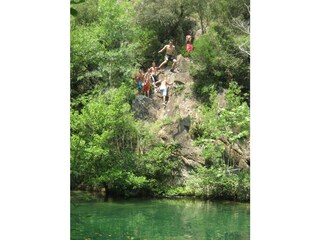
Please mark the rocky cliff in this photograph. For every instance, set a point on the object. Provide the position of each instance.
(179, 114)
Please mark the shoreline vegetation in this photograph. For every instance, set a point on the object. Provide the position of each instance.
(100, 194)
(128, 144)
(237, 190)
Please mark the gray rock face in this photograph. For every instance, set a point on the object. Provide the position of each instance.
(178, 132)
(145, 108)
(183, 64)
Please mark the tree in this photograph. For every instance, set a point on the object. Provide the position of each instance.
(84, 12)
(103, 142)
(107, 50)
(168, 19)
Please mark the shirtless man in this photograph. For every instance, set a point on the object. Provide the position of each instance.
(170, 54)
(154, 72)
(139, 79)
(154, 76)
(164, 89)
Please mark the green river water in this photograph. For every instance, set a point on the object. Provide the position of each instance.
(93, 218)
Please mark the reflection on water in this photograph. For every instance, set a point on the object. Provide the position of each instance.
(93, 218)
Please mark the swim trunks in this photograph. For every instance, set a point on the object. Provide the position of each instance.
(154, 78)
(139, 86)
(189, 47)
(146, 87)
(163, 91)
(169, 57)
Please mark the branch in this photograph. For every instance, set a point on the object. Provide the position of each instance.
(241, 25)
(248, 8)
(243, 50)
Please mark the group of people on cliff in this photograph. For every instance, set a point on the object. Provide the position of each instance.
(151, 76)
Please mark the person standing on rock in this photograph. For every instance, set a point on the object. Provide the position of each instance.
(139, 79)
(171, 54)
(164, 89)
(154, 72)
(189, 46)
(146, 83)
(154, 76)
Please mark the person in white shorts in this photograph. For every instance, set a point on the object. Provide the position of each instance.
(164, 89)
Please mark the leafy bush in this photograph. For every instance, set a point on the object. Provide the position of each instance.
(110, 148)
(87, 12)
(218, 183)
(106, 51)
(218, 61)
(103, 140)
(167, 19)
(230, 123)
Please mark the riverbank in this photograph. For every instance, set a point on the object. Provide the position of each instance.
(235, 188)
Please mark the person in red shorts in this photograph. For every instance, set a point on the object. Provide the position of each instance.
(146, 82)
(189, 46)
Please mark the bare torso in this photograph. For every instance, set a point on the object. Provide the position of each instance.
(164, 84)
(154, 70)
(140, 77)
(170, 50)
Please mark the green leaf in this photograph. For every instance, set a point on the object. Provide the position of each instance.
(73, 12)
(77, 2)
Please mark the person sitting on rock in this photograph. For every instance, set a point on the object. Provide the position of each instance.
(146, 83)
(171, 54)
(139, 79)
(189, 46)
(164, 89)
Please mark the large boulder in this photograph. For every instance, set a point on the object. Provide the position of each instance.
(145, 108)
(178, 132)
(183, 64)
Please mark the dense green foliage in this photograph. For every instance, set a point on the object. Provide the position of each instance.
(106, 50)
(103, 139)
(218, 183)
(222, 55)
(215, 179)
(231, 122)
(218, 62)
(110, 149)
(167, 19)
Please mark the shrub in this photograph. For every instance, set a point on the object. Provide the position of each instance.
(218, 183)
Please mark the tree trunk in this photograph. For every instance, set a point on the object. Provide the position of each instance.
(203, 31)
(106, 193)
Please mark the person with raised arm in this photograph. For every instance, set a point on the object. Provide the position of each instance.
(171, 54)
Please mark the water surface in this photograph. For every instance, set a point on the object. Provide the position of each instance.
(95, 218)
